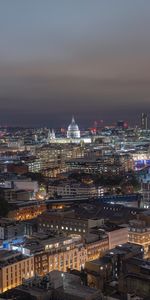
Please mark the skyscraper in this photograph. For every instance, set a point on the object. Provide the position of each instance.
(144, 121)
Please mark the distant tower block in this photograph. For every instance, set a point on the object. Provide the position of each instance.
(144, 121)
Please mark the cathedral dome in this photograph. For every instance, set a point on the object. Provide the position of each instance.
(73, 130)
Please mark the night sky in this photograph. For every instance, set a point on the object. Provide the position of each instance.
(90, 58)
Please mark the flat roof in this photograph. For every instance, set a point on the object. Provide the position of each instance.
(8, 257)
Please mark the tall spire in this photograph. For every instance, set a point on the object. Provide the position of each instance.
(73, 120)
(53, 134)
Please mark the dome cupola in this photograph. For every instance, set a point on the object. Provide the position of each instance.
(73, 131)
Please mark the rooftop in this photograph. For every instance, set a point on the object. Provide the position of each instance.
(8, 257)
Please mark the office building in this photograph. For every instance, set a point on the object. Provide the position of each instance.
(144, 121)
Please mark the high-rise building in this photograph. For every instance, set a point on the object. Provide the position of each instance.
(144, 121)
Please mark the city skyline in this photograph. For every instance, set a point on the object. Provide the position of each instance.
(74, 149)
(90, 59)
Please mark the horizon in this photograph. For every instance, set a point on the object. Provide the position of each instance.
(87, 58)
(83, 125)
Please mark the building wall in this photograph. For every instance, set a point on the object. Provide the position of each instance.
(97, 249)
(73, 257)
(16, 195)
(34, 166)
(11, 231)
(67, 225)
(17, 168)
(27, 185)
(72, 189)
(116, 237)
(56, 155)
(27, 213)
(13, 274)
(140, 237)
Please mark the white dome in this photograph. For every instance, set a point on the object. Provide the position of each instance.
(73, 125)
(73, 130)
